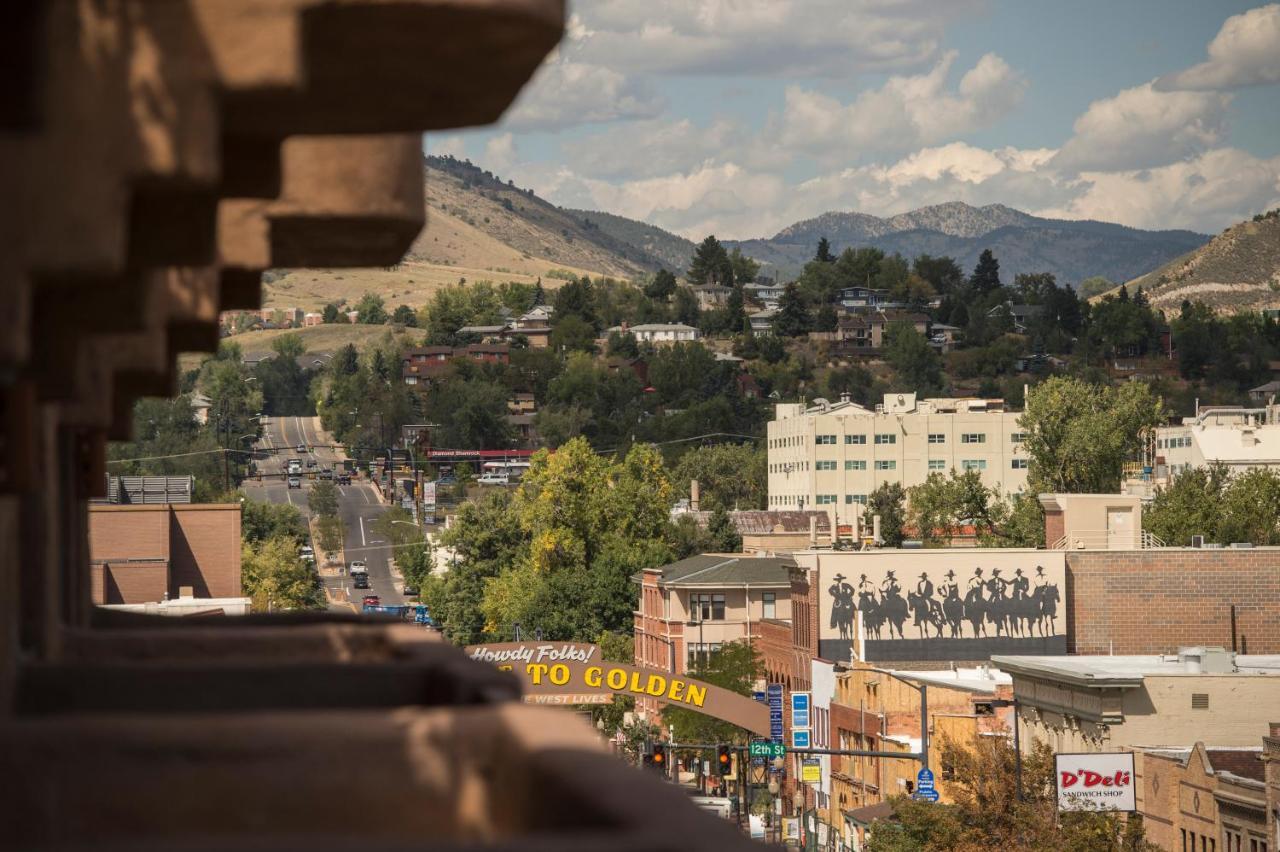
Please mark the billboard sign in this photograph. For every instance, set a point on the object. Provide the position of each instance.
(773, 695)
(799, 709)
(1099, 781)
(953, 604)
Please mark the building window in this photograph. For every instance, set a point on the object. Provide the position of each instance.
(826, 465)
(855, 464)
(1019, 464)
(1017, 437)
(701, 653)
(855, 439)
(974, 464)
(886, 438)
(1199, 701)
(825, 499)
(973, 438)
(769, 604)
(882, 464)
(937, 438)
(707, 607)
(825, 439)
(855, 498)
(937, 464)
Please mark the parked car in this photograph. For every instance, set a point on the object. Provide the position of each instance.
(295, 482)
(360, 581)
(371, 600)
(410, 591)
(493, 479)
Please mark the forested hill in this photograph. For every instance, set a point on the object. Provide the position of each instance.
(1071, 250)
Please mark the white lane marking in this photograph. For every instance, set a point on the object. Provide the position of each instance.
(287, 495)
(363, 543)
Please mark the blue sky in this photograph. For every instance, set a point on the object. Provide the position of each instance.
(739, 117)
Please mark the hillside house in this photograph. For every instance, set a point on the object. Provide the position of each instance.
(711, 295)
(659, 333)
(763, 294)
(762, 321)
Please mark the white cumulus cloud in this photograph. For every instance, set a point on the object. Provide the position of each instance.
(1142, 127)
(1245, 52)
(564, 93)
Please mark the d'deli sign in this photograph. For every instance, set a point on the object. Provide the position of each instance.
(621, 680)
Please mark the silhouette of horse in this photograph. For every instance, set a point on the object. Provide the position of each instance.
(925, 611)
(1047, 598)
(872, 618)
(953, 610)
(894, 611)
(975, 611)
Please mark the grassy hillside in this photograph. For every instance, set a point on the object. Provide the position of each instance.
(1237, 270)
(673, 251)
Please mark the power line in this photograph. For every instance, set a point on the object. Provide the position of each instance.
(180, 455)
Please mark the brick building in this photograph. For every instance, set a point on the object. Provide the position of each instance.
(1205, 798)
(146, 553)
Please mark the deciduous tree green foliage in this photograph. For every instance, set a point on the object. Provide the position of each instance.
(362, 400)
(1095, 286)
(285, 386)
(262, 521)
(451, 308)
(685, 307)
(942, 273)
(1205, 501)
(735, 667)
(662, 287)
(572, 333)
(406, 316)
(588, 399)
(986, 814)
(167, 428)
(942, 506)
(1227, 352)
(1121, 326)
(730, 476)
(575, 298)
(917, 364)
(615, 648)
(371, 310)
(329, 534)
(710, 264)
(577, 530)
(472, 414)
(723, 534)
(486, 539)
(1080, 435)
(276, 578)
(792, 318)
(623, 345)
(855, 380)
(323, 498)
(889, 502)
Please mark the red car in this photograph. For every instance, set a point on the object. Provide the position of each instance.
(372, 600)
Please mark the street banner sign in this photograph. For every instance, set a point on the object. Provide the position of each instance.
(799, 709)
(811, 771)
(791, 829)
(1098, 781)
(799, 738)
(758, 695)
(764, 748)
(773, 692)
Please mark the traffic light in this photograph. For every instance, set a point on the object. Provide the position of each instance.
(724, 760)
(655, 757)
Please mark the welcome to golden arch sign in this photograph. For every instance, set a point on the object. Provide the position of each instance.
(560, 668)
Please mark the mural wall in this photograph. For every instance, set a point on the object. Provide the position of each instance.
(940, 604)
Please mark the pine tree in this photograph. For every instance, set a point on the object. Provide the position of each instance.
(711, 264)
(539, 295)
(330, 315)
(824, 254)
(792, 319)
(735, 309)
(986, 275)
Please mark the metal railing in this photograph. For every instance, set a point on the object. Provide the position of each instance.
(1101, 540)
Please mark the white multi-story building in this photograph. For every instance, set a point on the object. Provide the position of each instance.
(833, 455)
(659, 332)
(1241, 439)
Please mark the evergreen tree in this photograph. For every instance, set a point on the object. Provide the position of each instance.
(331, 315)
(792, 319)
(724, 535)
(662, 286)
(735, 311)
(824, 254)
(685, 307)
(744, 268)
(986, 275)
(539, 295)
(711, 264)
(347, 361)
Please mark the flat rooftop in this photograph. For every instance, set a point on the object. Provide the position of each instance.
(974, 680)
(1105, 670)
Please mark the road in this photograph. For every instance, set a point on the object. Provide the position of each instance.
(358, 503)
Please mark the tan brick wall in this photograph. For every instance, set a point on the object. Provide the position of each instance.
(205, 550)
(1055, 526)
(128, 532)
(133, 582)
(1152, 601)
